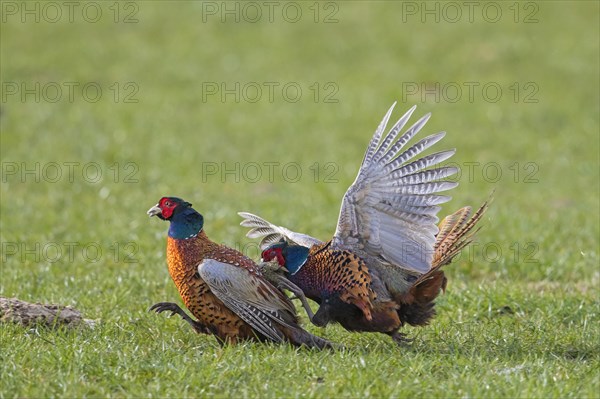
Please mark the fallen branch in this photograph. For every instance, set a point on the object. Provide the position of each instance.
(13, 310)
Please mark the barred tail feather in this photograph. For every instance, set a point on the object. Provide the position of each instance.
(456, 231)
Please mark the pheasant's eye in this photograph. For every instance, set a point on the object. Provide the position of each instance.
(167, 203)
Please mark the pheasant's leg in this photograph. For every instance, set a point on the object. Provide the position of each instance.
(284, 283)
(220, 340)
(305, 305)
(400, 338)
(175, 309)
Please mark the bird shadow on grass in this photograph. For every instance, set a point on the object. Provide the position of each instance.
(487, 341)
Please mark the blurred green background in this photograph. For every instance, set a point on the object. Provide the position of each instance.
(169, 96)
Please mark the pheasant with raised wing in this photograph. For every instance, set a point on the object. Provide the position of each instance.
(382, 268)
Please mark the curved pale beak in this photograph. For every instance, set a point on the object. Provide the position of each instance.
(155, 210)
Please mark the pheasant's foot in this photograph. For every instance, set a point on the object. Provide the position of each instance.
(176, 309)
(297, 294)
(168, 307)
(401, 338)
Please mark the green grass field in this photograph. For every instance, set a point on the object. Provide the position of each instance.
(271, 114)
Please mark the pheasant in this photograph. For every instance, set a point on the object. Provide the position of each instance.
(382, 268)
(223, 289)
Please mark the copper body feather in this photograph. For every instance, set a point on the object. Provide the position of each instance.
(222, 288)
(183, 258)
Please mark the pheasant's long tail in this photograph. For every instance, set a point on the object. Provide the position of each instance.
(456, 231)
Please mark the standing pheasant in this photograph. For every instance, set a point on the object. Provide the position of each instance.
(222, 288)
(381, 269)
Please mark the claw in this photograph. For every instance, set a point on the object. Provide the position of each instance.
(175, 309)
(164, 306)
(401, 339)
(284, 283)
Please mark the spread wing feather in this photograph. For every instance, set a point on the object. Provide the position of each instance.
(272, 233)
(390, 211)
(393, 178)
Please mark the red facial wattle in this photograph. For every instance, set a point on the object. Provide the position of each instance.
(167, 207)
(280, 258)
(273, 253)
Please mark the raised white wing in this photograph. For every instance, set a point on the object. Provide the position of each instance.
(272, 233)
(389, 212)
(250, 297)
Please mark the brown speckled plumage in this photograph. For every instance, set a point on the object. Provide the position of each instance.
(339, 273)
(223, 289)
(183, 258)
(340, 282)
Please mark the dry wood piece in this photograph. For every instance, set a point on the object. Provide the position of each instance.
(14, 310)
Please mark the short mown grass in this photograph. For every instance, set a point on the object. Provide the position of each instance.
(520, 317)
